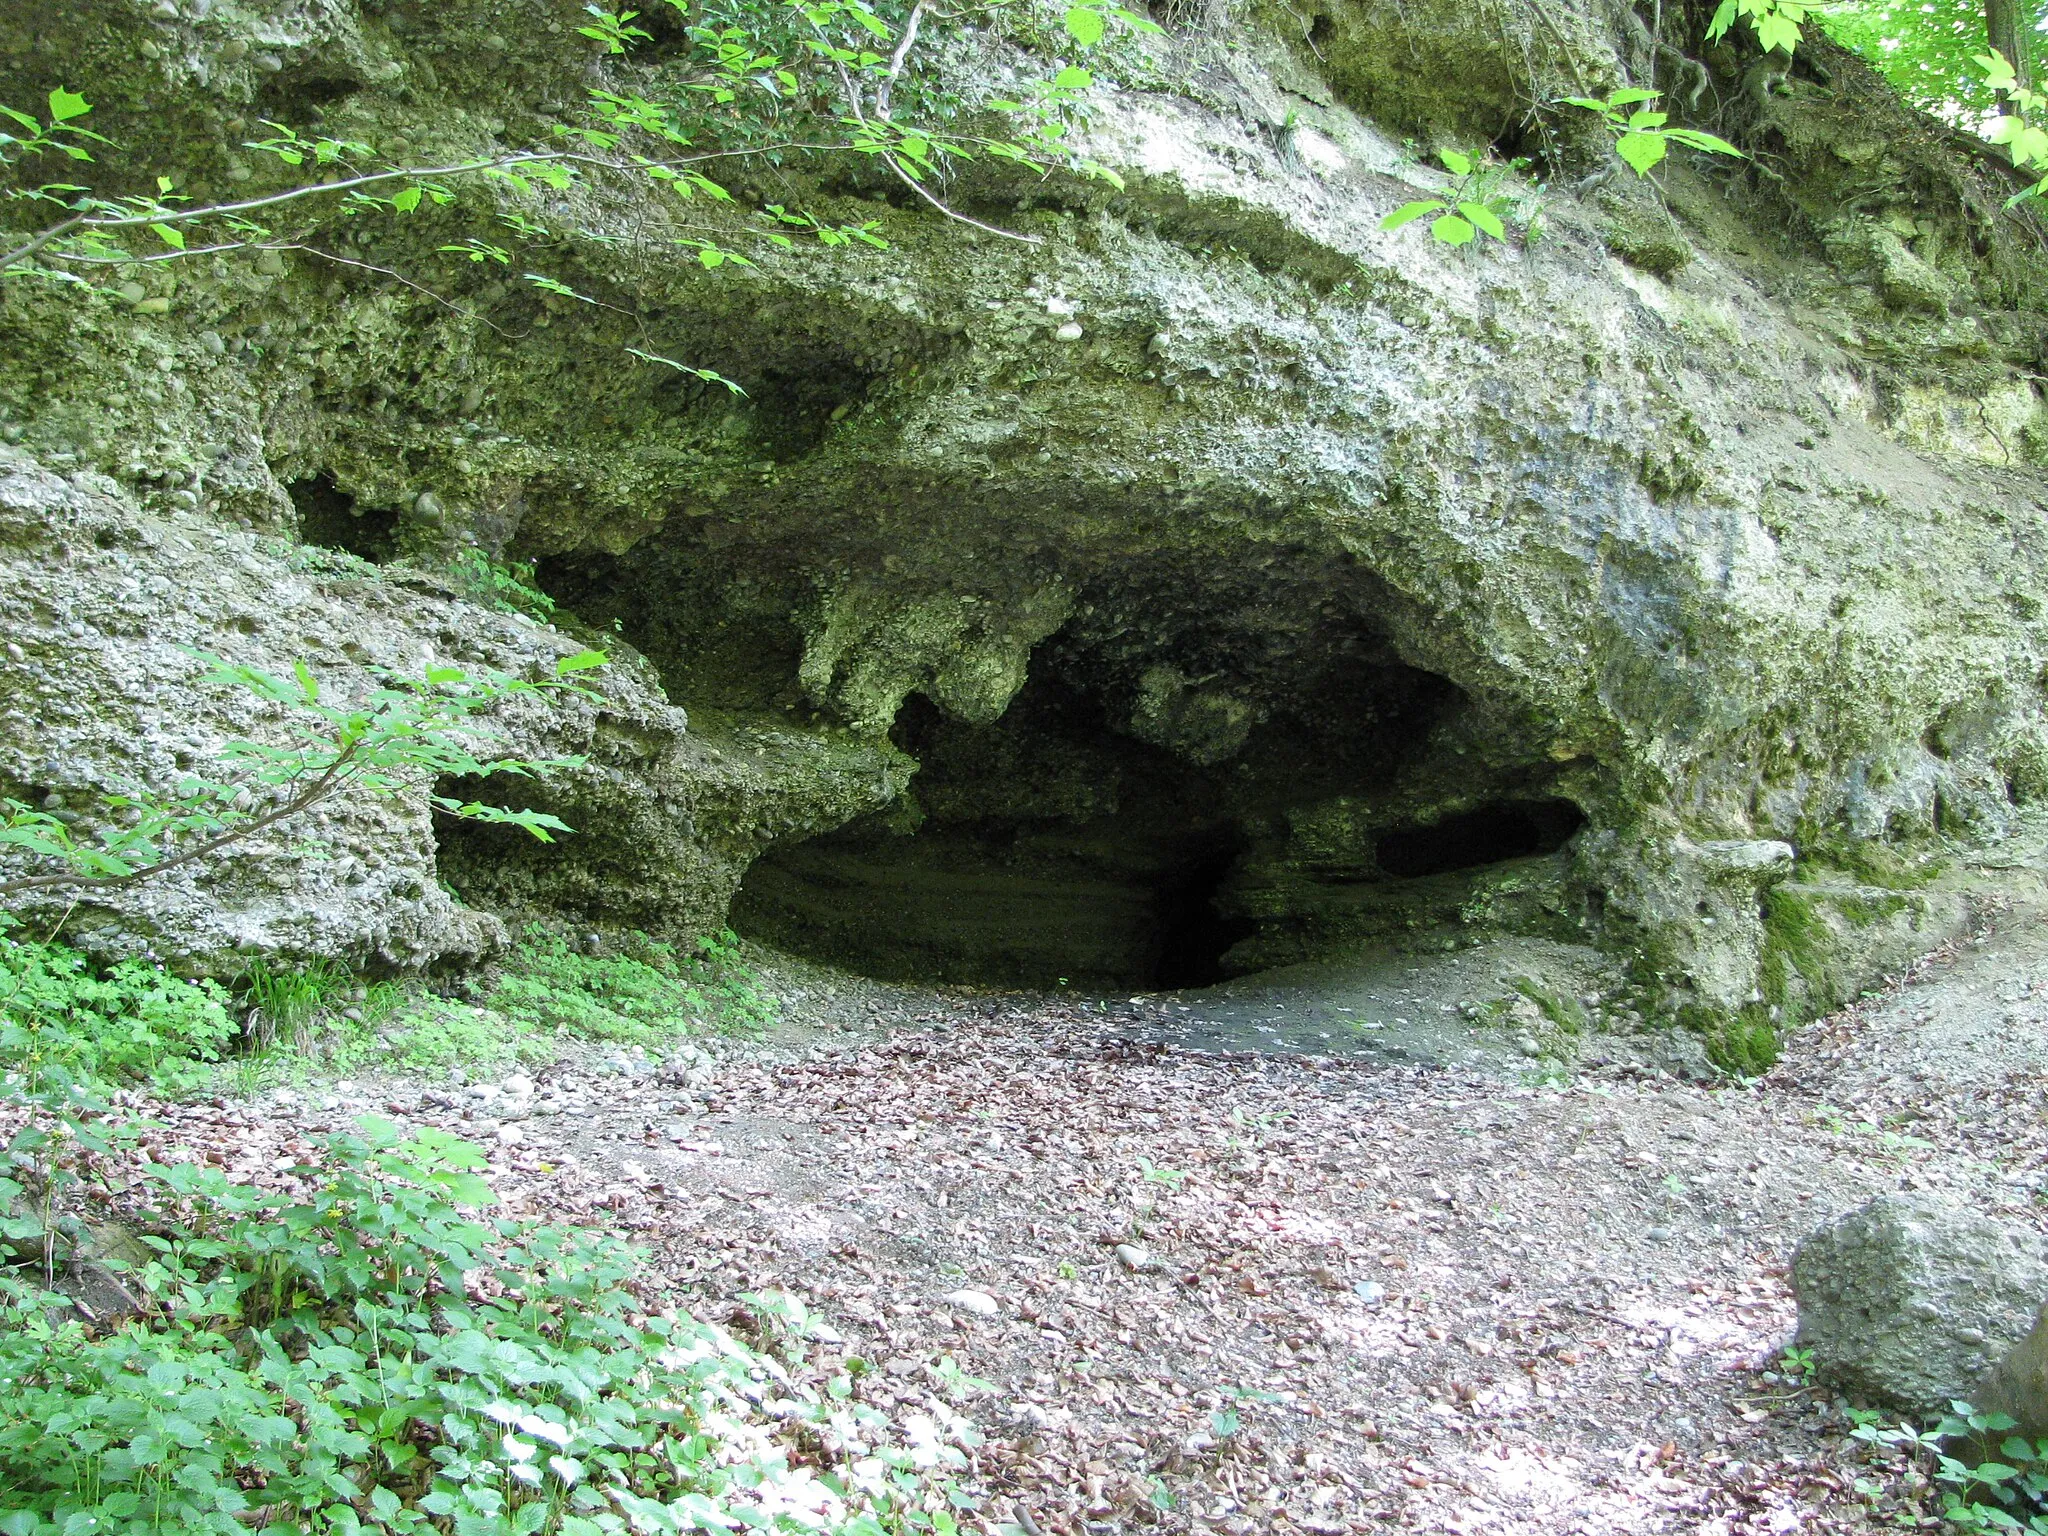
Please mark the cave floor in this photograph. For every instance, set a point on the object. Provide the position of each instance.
(1436, 1297)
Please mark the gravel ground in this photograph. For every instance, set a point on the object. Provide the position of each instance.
(1217, 1291)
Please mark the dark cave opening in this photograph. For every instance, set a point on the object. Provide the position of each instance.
(1043, 851)
(333, 519)
(1195, 931)
(1491, 834)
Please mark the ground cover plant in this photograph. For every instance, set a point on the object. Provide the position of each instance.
(381, 1354)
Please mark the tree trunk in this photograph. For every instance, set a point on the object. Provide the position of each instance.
(2005, 27)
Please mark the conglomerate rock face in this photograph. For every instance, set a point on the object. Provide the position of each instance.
(1213, 580)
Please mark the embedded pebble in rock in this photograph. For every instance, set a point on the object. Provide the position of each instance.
(975, 1303)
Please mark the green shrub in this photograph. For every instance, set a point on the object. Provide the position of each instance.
(639, 998)
(126, 1022)
(382, 1356)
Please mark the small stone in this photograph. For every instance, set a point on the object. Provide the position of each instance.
(134, 293)
(269, 63)
(1135, 1259)
(427, 507)
(978, 1303)
(270, 263)
(510, 1136)
(234, 51)
(1071, 331)
(1658, 1234)
(164, 10)
(1371, 1292)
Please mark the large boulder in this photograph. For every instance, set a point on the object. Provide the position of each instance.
(1908, 1300)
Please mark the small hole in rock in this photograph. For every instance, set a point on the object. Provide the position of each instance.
(1490, 835)
(333, 519)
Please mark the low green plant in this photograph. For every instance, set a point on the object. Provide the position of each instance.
(438, 1033)
(507, 588)
(1479, 201)
(643, 996)
(1796, 1364)
(1172, 1178)
(64, 1017)
(285, 1002)
(1992, 1485)
(384, 1355)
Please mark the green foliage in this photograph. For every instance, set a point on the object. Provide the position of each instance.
(1641, 135)
(384, 1355)
(1930, 53)
(1776, 22)
(507, 588)
(780, 78)
(2020, 128)
(643, 997)
(64, 1019)
(1478, 202)
(1994, 1484)
(382, 744)
(436, 1033)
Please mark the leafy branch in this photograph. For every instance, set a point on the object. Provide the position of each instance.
(1642, 137)
(1777, 23)
(2019, 128)
(403, 731)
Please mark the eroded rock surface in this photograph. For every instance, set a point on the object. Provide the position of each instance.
(1245, 582)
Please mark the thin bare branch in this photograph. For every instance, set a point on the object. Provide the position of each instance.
(331, 779)
(897, 59)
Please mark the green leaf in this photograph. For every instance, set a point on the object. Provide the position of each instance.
(1724, 18)
(1485, 218)
(1084, 25)
(583, 661)
(407, 200)
(1451, 230)
(1630, 95)
(1455, 163)
(1409, 212)
(169, 236)
(1775, 31)
(1073, 78)
(66, 105)
(1693, 138)
(1642, 151)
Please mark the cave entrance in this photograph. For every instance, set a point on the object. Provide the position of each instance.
(1044, 851)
